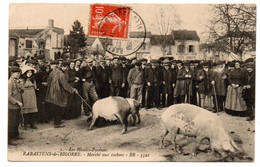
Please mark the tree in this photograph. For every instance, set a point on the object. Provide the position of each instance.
(233, 27)
(76, 40)
(166, 21)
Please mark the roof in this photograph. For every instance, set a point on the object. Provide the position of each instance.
(90, 40)
(160, 39)
(23, 33)
(185, 35)
(137, 34)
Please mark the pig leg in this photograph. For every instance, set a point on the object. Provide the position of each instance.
(173, 139)
(165, 133)
(139, 118)
(123, 120)
(94, 118)
(198, 140)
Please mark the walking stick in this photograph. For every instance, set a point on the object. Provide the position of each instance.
(22, 117)
(216, 101)
(84, 100)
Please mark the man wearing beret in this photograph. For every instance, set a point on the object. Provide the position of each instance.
(14, 104)
(103, 79)
(249, 91)
(144, 68)
(125, 70)
(153, 81)
(117, 79)
(90, 83)
(57, 93)
(135, 80)
(168, 83)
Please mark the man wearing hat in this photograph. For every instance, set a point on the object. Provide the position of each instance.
(168, 83)
(249, 91)
(14, 104)
(183, 84)
(153, 81)
(90, 84)
(203, 84)
(125, 70)
(135, 80)
(103, 79)
(218, 82)
(144, 67)
(117, 79)
(57, 93)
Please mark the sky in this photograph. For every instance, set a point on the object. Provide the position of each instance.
(192, 16)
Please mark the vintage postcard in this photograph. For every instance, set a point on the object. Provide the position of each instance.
(131, 82)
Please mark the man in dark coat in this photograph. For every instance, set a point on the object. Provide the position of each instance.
(218, 81)
(125, 71)
(168, 83)
(183, 84)
(57, 93)
(144, 90)
(73, 109)
(249, 91)
(103, 79)
(117, 79)
(90, 83)
(153, 81)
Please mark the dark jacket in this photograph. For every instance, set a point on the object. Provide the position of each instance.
(153, 76)
(90, 75)
(58, 88)
(116, 75)
(183, 84)
(103, 75)
(169, 77)
(237, 76)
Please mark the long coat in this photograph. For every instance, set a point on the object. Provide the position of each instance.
(183, 85)
(153, 76)
(58, 88)
(116, 76)
(203, 84)
(169, 77)
(220, 82)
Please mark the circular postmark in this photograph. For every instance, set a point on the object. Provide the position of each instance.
(122, 32)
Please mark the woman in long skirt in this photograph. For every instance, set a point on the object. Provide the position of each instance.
(235, 104)
(29, 108)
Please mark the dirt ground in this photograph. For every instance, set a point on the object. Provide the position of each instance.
(140, 143)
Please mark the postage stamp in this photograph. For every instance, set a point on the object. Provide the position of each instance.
(120, 28)
(109, 21)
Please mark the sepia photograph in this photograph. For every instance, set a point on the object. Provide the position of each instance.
(131, 82)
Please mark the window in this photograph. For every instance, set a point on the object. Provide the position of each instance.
(144, 46)
(59, 41)
(28, 44)
(191, 48)
(181, 48)
(169, 50)
(42, 45)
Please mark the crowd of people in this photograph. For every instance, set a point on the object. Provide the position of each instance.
(41, 90)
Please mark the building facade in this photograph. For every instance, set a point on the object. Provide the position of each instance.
(48, 42)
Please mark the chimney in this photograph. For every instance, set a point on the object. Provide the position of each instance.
(51, 23)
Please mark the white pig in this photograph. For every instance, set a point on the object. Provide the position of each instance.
(115, 107)
(191, 120)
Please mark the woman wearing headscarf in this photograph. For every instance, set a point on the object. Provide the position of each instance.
(29, 97)
(235, 104)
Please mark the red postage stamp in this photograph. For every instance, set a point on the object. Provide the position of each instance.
(109, 21)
